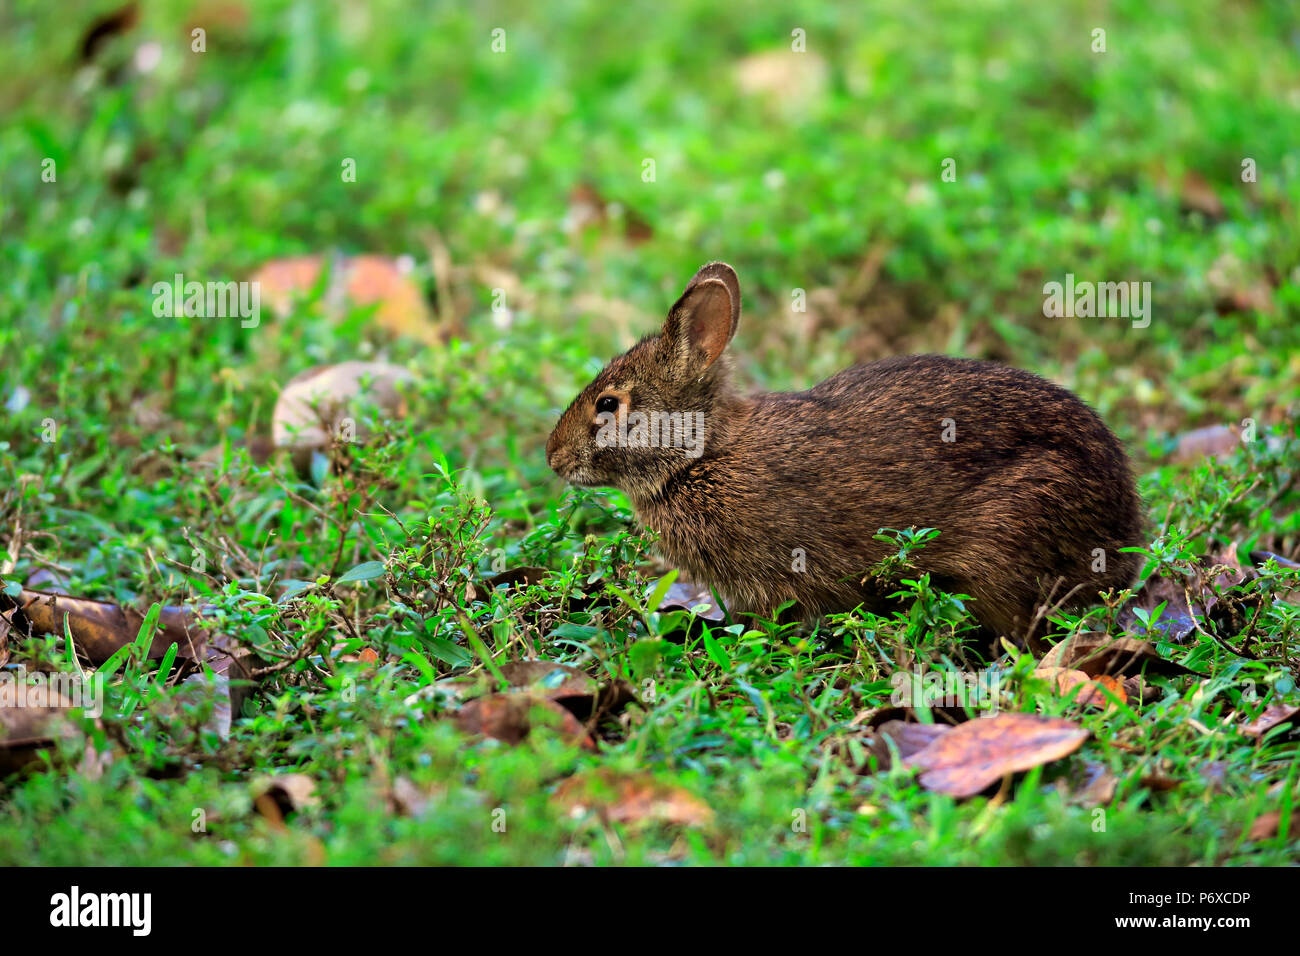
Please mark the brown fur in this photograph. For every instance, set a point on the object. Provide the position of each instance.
(1032, 484)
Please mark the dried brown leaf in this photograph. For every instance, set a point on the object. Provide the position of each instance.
(314, 407)
(907, 738)
(1275, 713)
(1265, 826)
(1097, 787)
(510, 716)
(631, 798)
(290, 791)
(1213, 441)
(580, 694)
(364, 280)
(1090, 693)
(1197, 195)
(32, 718)
(99, 629)
(548, 678)
(981, 752)
(790, 81)
(1096, 654)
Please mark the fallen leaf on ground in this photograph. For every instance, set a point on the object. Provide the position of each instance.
(1158, 782)
(1238, 286)
(1214, 773)
(1213, 441)
(907, 738)
(581, 695)
(1215, 597)
(1265, 827)
(1196, 194)
(406, 798)
(687, 595)
(268, 808)
(290, 791)
(401, 306)
(1175, 623)
(362, 280)
(1274, 714)
(1260, 557)
(608, 701)
(32, 718)
(1096, 654)
(319, 404)
(510, 717)
(99, 629)
(43, 579)
(548, 678)
(259, 448)
(1138, 690)
(631, 798)
(588, 209)
(1221, 599)
(791, 81)
(1090, 694)
(981, 752)
(1096, 787)
(280, 281)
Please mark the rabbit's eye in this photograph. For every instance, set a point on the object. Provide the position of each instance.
(606, 403)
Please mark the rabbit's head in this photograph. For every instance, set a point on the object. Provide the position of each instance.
(648, 414)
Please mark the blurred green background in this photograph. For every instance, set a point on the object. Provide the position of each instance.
(817, 171)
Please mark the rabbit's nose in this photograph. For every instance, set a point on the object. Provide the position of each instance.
(551, 444)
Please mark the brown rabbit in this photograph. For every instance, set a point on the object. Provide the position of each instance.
(777, 496)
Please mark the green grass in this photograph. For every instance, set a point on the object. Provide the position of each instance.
(212, 163)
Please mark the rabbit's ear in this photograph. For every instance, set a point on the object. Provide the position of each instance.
(704, 319)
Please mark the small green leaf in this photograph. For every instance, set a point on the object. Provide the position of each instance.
(657, 595)
(481, 649)
(447, 652)
(165, 667)
(292, 588)
(644, 656)
(144, 639)
(320, 469)
(418, 661)
(363, 572)
(626, 598)
(110, 666)
(578, 632)
(716, 652)
(260, 640)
